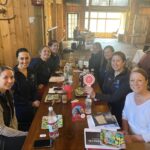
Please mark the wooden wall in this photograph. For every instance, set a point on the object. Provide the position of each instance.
(138, 19)
(54, 16)
(23, 31)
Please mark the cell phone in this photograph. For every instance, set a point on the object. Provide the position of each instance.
(43, 143)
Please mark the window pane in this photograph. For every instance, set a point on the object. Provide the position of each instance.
(101, 26)
(86, 14)
(93, 23)
(72, 23)
(87, 2)
(86, 24)
(113, 15)
(101, 15)
(112, 25)
(100, 2)
(119, 3)
(93, 15)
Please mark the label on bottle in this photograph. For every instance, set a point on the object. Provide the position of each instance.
(53, 129)
(88, 103)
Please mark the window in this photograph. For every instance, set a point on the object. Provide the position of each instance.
(107, 2)
(103, 21)
(72, 19)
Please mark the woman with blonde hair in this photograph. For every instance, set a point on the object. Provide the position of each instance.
(136, 112)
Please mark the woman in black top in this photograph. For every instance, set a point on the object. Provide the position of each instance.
(105, 66)
(42, 69)
(115, 87)
(25, 90)
(54, 60)
(96, 60)
(10, 137)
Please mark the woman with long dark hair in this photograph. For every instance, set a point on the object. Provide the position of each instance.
(25, 90)
(10, 137)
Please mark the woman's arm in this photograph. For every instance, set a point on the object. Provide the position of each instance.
(125, 126)
(8, 131)
(128, 137)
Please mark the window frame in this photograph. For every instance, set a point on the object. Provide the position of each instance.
(68, 26)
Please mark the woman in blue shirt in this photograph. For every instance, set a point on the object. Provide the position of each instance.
(25, 90)
(115, 86)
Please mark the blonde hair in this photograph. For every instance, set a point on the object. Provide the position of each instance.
(141, 71)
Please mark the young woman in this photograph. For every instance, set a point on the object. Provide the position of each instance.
(136, 112)
(41, 68)
(54, 60)
(106, 64)
(25, 90)
(10, 137)
(115, 87)
(96, 59)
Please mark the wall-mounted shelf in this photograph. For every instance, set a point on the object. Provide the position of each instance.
(53, 28)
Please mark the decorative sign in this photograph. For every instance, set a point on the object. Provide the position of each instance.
(88, 79)
(37, 2)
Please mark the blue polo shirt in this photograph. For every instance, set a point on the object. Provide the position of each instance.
(115, 89)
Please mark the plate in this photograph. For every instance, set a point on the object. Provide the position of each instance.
(79, 92)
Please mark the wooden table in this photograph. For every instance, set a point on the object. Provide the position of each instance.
(72, 133)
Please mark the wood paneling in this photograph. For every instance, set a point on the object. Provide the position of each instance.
(23, 31)
(53, 16)
(47, 19)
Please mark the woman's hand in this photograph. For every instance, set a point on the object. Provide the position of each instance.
(36, 103)
(133, 138)
(89, 90)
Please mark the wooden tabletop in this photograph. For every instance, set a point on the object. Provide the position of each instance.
(72, 133)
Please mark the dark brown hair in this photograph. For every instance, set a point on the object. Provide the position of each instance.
(121, 54)
(110, 47)
(21, 50)
(41, 48)
(50, 43)
(98, 45)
